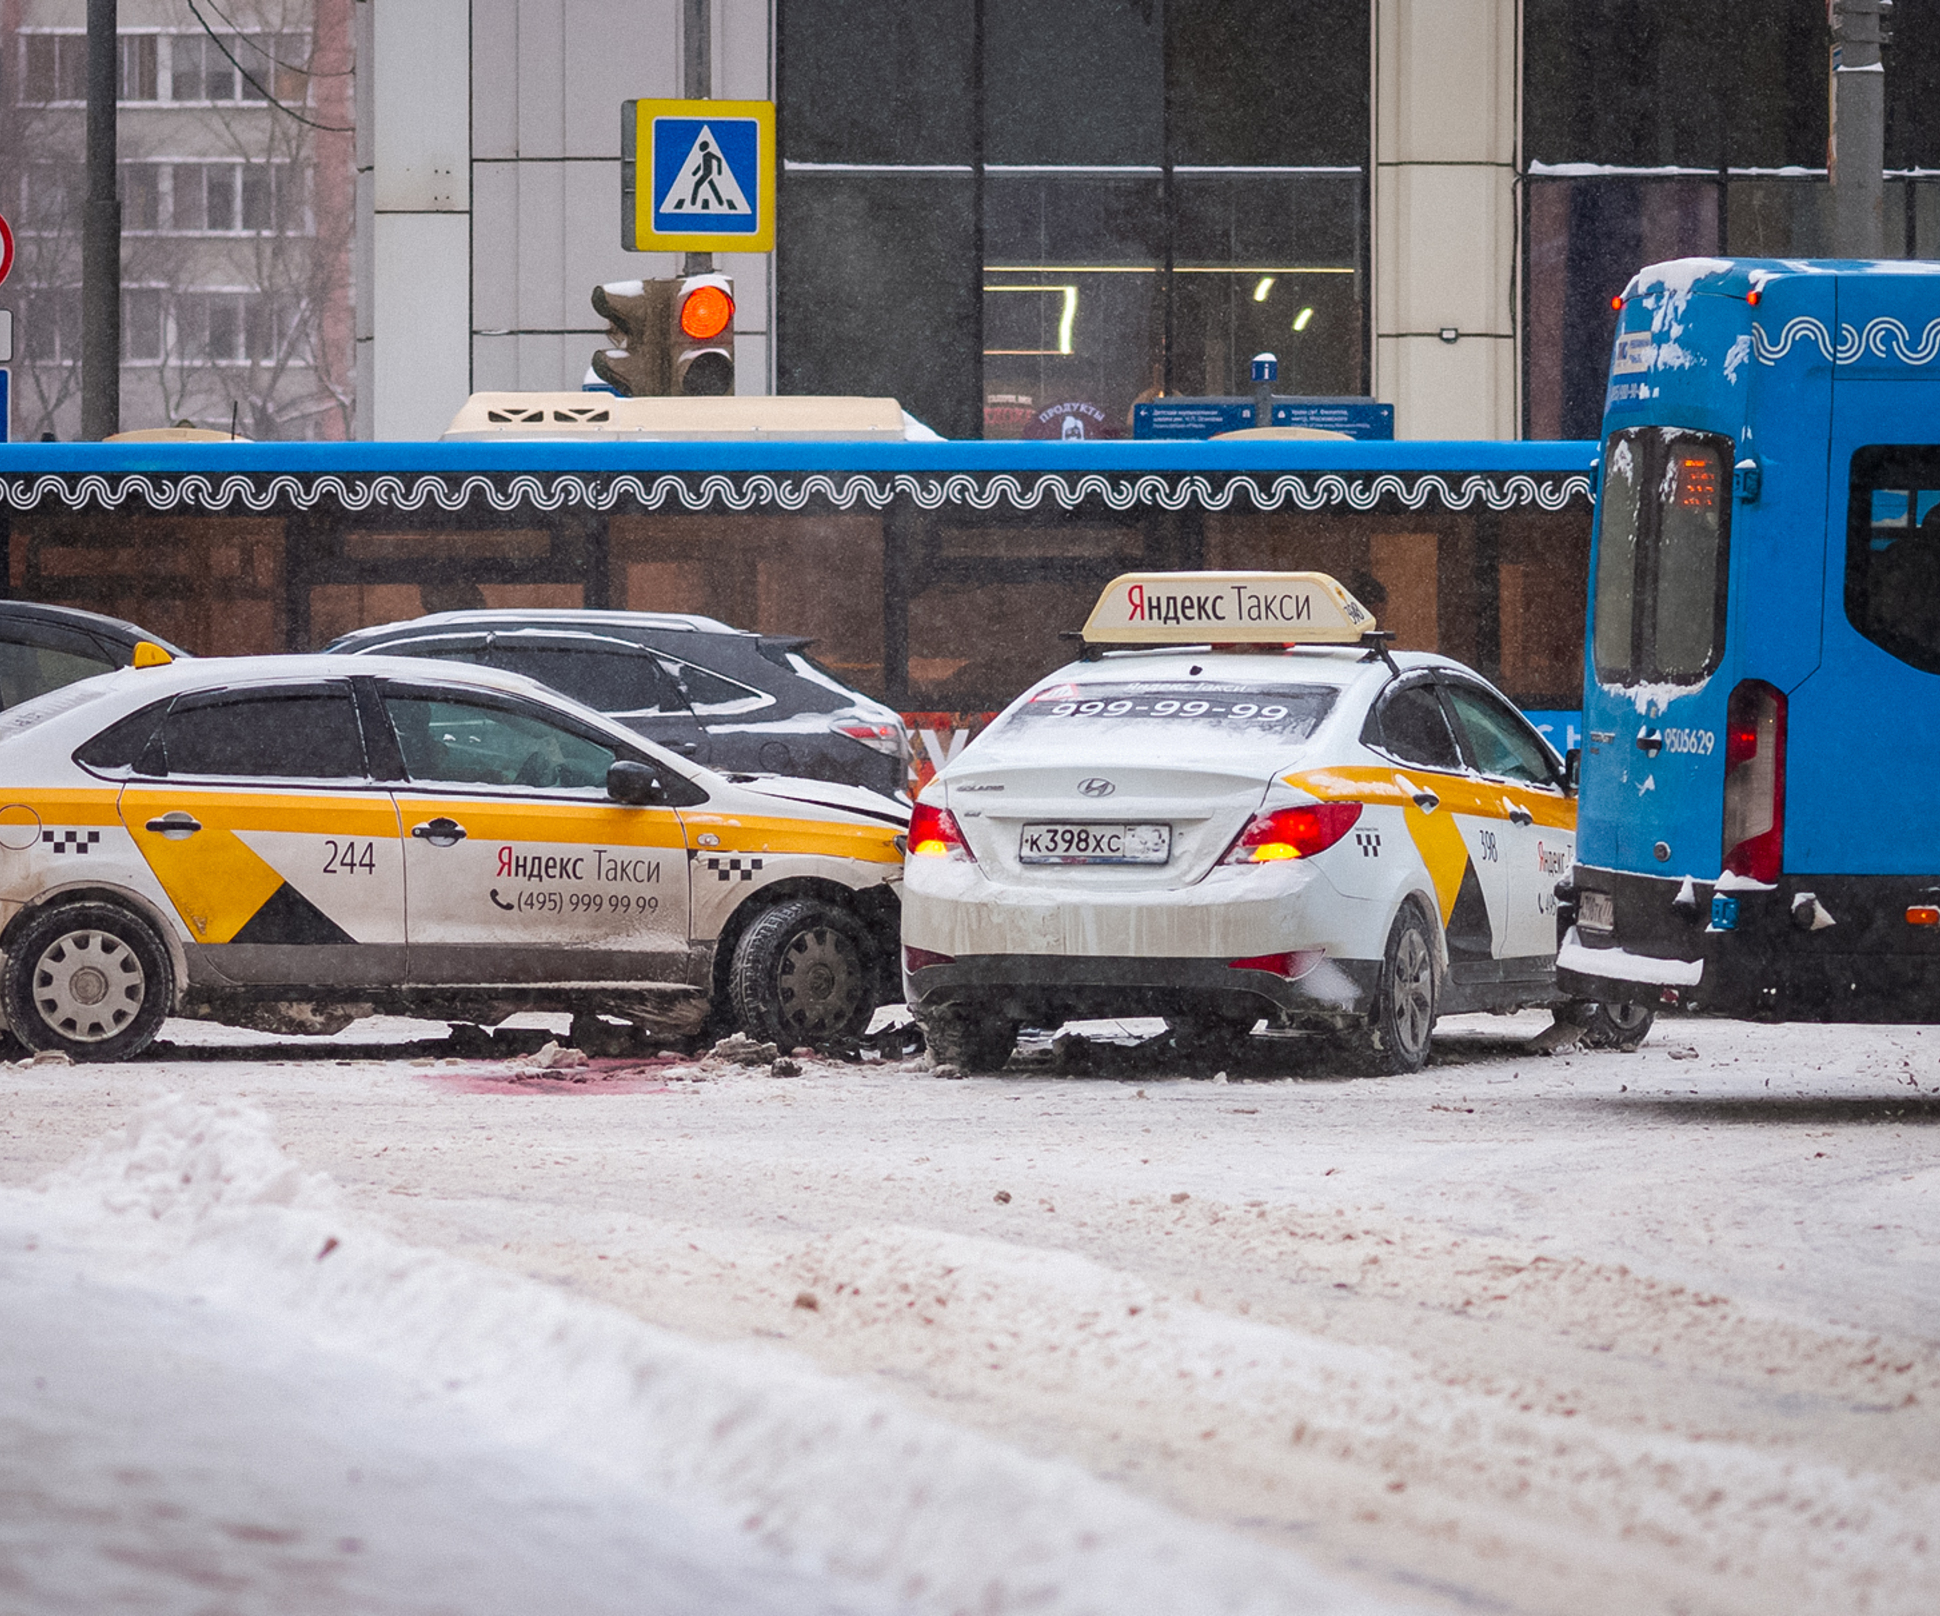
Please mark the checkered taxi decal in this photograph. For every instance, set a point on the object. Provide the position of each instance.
(70, 841)
(726, 869)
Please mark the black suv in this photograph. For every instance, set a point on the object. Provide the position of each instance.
(45, 647)
(735, 701)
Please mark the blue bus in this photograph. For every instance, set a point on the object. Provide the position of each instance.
(1757, 833)
(936, 576)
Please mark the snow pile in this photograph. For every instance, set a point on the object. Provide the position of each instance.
(822, 1472)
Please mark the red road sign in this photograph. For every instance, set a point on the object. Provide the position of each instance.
(6, 248)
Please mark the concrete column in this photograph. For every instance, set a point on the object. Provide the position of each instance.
(414, 216)
(1447, 138)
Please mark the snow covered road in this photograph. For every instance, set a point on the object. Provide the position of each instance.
(1584, 1333)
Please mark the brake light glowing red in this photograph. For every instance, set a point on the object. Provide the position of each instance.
(1291, 833)
(934, 833)
(1754, 782)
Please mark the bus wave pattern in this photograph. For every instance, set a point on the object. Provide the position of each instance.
(528, 492)
(1878, 336)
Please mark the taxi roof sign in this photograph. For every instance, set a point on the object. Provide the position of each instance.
(1173, 608)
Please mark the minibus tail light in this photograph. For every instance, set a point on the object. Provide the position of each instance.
(1754, 781)
(934, 833)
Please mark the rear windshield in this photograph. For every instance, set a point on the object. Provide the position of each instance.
(1661, 565)
(1893, 552)
(1159, 720)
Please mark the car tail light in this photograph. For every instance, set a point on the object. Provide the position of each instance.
(934, 833)
(887, 738)
(921, 959)
(1291, 833)
(1754, 781)
(1292, 966)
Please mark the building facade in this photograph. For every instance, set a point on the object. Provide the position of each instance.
(1016, 218)
(237, 216)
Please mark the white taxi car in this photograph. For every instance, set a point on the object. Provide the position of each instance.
(1289, 822)
(290, 842)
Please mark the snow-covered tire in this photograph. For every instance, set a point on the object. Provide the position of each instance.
(1617, 1026)
(967, 1039)
(803, 972)
(89, 979)
(1401, 1021)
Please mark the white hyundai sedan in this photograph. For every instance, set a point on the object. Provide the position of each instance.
(1284, 820)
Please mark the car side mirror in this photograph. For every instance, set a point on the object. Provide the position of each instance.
(634, 784)
(1573, 771)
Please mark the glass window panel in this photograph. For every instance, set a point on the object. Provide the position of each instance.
(73, 67)
(1415, 730)
(141, 325)
(225, 329)
(140, 185)
(608, 681)
(190, 198)
(877, 81)
(472, 743)
(876, 292)
(1036, 58)
(1691, 491)
(185, 67)
(27, 671)
(219, 186)
(1500, 741)
(1620, 504)
(307, 736)
(258, 206)
(1263, 82)
(40, 68)
(1893, 553)
(137, 67)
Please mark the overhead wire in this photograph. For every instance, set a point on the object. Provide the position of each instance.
(287, 67)
(255, 84)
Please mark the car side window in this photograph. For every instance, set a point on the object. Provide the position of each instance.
(608, 681)
(28, 670)
(1500, 741)
(460, 740)
(715, 695)
(1413, 728)
(288, 734)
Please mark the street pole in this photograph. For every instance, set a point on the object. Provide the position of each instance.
(697, 76)
(101, 236)
(1856, 129)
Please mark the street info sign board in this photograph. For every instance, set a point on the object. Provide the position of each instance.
(697, 176)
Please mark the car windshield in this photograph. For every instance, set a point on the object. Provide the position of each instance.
(1163, 720)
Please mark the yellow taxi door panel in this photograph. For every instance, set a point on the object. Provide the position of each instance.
(283, 862)
(518, 865)
(510, 889)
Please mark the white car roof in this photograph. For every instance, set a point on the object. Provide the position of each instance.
(1326, 665)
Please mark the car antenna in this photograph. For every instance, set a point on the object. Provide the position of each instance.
(1376, 640)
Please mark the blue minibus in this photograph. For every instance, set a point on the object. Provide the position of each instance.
(1758, 830)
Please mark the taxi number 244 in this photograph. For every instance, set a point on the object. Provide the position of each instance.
(349, 857)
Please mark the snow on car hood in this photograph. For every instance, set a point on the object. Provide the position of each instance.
(827, 794)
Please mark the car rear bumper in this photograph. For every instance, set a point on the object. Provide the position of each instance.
(1769, 959)
(1045, 989)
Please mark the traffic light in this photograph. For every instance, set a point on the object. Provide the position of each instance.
(669, 337)
(637, 315)
(703, 336)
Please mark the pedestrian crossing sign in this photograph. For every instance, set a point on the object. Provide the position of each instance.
(697, 176)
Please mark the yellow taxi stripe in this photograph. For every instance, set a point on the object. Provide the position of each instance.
(215, 882)
(591, 823)
(1460, 794)
(67, 807)
(760, 833)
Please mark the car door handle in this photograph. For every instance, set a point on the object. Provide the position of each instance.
(176, 826)
(1518, 815)
(439, 832)
(1424, 799)
(688, 748)
(1650, 741)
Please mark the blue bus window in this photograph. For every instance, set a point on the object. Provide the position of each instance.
(1889, 507)
(1924, 501)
